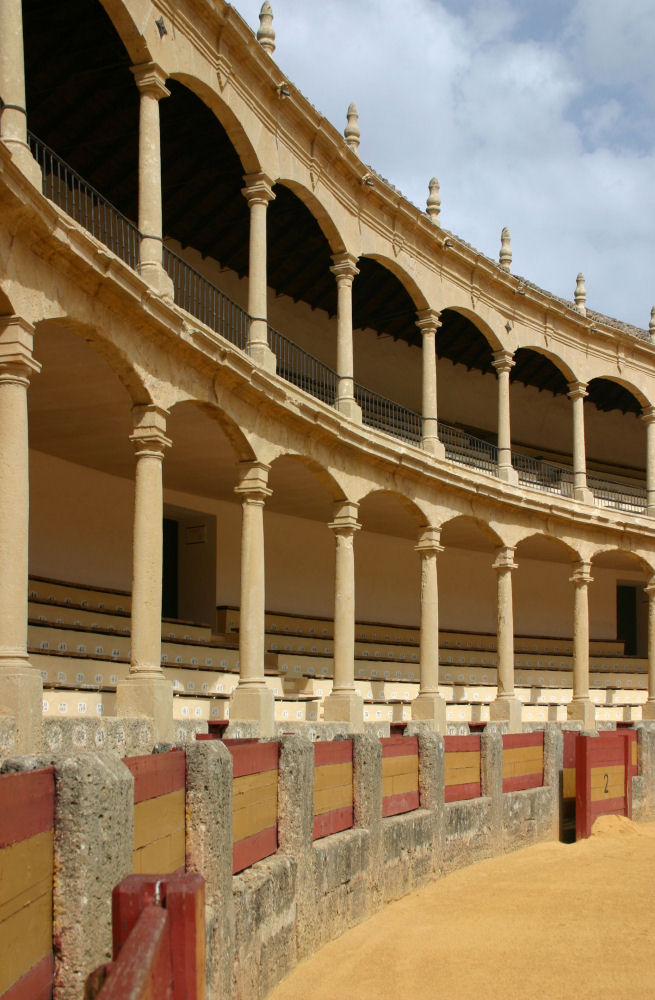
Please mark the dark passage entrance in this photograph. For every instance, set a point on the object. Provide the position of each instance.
(626, 617)
(169, 580)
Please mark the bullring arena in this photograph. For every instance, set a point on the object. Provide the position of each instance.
(324, 538)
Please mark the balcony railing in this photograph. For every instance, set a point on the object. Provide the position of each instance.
(196, 295)
(391, 418)
(303, 369)
(618, 496)
(82, 202)
(465, 449)
(542, 475)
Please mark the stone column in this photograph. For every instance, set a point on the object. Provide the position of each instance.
(429, 706)
(577, 393)
(503, 363)
(343, 704)
(428, 323)
(13, 114)
(648, 710)
(648, 416)
(345, 270)
(147, 692)
(253, 701)
(21, 689)
(581, 708)
(150, 80)
(506, 707)
(258, 192)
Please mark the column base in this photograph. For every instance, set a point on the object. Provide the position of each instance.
(509, 710)
(345, 706)
(433, 446)
(508, 474)
(648, 711)
(254, 704)
(431, 709)
(157, 278)
(22, 157)
(150, 696)
(583, 495)
(582, 710)
(21, 698)
(350, 408)
(263, 357)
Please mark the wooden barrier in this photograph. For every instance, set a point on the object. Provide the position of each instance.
(400, 792)
(159, 812)
(523, 761)
(27, 805)
(254, 810)
(159, 941)
(333, 787)
(603, 778)
(462, 768)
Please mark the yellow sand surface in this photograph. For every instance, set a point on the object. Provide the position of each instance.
(554, 920)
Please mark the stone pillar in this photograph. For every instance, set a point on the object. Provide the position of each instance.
(648, 416)
(150, 80)
(429, 706)
(21, 689)
(428, 323)
(253, 701)
(345, 270)
(648, 710)
(577, 393)
(581, 708)
(147, 692)
(506, 707)
(258, 192)
(343, 704)
(13, 114)
(503, 363)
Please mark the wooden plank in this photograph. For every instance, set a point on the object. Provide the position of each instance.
(249, 758)
(25, 872)
(249, 822)
(516, 740)
(457, 793)
(399, 746)
(520, 782)
(35, 790)
(332, 822)
(333, 776)
(142, 970)
(461, 744)
(157, 774)
(393, 805)
(162, 856)
(399, 783)
(569, 737)
(35, 984)
(154, 818)
(252, 849)
(463, 776)
(25, 939)
(264, 789)
(399, 765)
(328, 799)
(185, 904)
(568, 783)
(333, 752)
(607, 783)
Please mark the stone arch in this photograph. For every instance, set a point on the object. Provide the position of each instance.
(395, 267)
(539, 540)
(318, 210)
(131, 34)
(329, 483)
(394, 498)
(459, 525)
(242, 448)
(630, 387)
(551, 356)
(6, 308)
(614, 554)
(495, 343)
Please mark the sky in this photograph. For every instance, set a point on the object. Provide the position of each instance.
(538, 115)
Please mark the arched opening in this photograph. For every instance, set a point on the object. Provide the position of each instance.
(543, 596)
(467, 581)
(615, 444)
(618, 604)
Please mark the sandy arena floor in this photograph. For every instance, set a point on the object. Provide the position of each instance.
(551, 921)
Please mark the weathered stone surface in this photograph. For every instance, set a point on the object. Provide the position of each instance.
(123, 736)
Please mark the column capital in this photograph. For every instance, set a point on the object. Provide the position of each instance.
(428, 320)
(428, 541)
(503, 361)
(504, 560)
(345, 518)
(648, 414)
(253, 482)
(258, 189)
(151, 79)
(344, 267)
(16, 343)
(149, 434)
(581, 574)
(577, 390)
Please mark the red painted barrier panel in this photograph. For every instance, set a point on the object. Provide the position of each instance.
(159, 811)
(254, 808)
(333, 787)
(462, 768)
(603, 778)
(400, 791)
(523, 761)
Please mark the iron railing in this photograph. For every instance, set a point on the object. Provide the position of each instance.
(391, 418)
(542, 475)
(65, 187)
(465, 449)
(196, 295)
(618, 496)
(303, 369)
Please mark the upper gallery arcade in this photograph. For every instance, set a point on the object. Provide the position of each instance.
(209, 305)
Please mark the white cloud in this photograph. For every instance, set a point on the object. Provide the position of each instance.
(525, 123)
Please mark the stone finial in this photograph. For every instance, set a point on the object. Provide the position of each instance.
(580, 296)
(266, 33)
(651, 325)
(505, 255)
(433, 204)
(351, 130)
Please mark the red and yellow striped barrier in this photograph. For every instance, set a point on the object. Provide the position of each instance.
(333, 787)
(254, 810)
(159, 812)
(603, 778)
(27, 805)
(523, 761)
(462, 768)
(400, 792)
